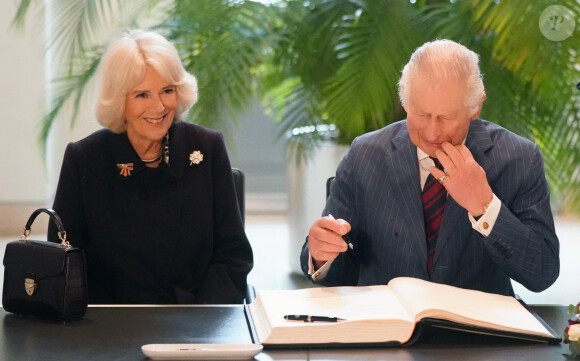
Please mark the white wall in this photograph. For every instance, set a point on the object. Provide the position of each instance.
(22, 72)
(27, 181)
(22, 172)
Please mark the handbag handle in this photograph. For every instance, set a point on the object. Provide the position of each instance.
(55, 218)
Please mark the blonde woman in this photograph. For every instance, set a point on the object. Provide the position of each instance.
(151, 199)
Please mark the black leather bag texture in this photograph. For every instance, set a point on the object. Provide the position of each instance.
(45, 279)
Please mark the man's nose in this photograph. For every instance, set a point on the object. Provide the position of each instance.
(433, 128)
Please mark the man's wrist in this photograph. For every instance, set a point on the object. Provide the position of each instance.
(317, 264)
(485, 223)
(485, 208)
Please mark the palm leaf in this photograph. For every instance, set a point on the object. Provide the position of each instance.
(362, 95)
(223, 45)
(66, 88)
(21, 13)
(74, 29)
(338, 49)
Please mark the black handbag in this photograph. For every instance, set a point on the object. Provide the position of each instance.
(45, 279)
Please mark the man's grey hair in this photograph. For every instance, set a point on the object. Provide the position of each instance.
(444, 60)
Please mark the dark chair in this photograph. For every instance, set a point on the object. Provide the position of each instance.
(328, 184)
(239, 184)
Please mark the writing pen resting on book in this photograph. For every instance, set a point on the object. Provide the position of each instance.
(350, 245)
(309, 318)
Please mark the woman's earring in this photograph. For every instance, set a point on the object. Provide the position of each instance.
(166, 148)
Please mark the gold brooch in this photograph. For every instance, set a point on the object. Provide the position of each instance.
(125, 169)
(196, 157)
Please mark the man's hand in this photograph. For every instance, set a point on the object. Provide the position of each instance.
(325, 241)
(465, 179)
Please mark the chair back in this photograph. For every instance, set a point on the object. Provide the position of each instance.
(328, 184)
(239, 184)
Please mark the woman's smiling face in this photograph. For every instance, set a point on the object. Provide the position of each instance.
(150, 108)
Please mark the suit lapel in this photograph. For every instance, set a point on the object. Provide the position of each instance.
(407, 191)
(478, 142)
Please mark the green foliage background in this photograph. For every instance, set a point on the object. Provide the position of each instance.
(313, 62)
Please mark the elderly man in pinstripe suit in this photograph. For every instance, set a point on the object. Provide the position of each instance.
(496, 223)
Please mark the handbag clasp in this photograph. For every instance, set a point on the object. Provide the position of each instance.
(30, 286)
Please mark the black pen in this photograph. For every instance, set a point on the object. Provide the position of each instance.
(309, 318)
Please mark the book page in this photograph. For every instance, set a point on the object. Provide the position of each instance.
(350, 303)
(427, 299)
(371, 313)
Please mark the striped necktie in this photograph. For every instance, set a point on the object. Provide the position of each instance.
(434, 197)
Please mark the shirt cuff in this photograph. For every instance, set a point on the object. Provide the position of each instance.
(320, 273)
(485, 223)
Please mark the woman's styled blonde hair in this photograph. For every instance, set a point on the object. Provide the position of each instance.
(123, 67)
(445, 60)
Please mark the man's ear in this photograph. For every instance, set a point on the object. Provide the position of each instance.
(478, 111)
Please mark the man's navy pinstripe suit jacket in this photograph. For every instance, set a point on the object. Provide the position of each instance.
(377, 191)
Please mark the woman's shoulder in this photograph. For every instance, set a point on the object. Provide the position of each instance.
(98, 137)
(191, 129)
(193, 133)
(94, 143)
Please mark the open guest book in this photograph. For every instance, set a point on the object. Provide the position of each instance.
(387, 314)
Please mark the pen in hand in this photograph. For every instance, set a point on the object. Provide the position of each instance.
(309, 318)
(350, 245)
